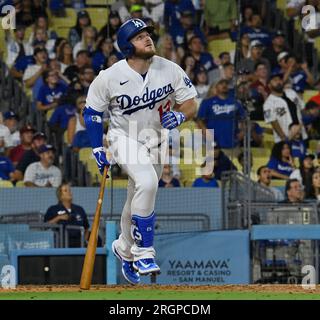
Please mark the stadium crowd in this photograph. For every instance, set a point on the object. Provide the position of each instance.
(262, 80)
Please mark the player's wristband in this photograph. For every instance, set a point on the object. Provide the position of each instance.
(94, 126)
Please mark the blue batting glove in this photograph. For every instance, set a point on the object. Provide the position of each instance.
(172, 119)
(101, 158)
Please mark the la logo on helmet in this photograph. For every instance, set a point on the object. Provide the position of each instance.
(137, 23)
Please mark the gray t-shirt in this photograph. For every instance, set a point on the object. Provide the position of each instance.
(40, 175)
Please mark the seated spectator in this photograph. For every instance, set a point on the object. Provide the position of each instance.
(43, 173)
(35, 71)
(5, 139)
(222, 114)
(206, 181)
(281, 163)
(293, 191)
(257, 32)
(264, 178)
(229, 75)
(315, 190)
(282, 60)
(166, 48)
(224, 58)
(75, 33)
(311, 119)
(88, 41)
(57, 8)
(256, 50)
(220, 17)
(42, 23)
(253, 175)
(64, 55)
(110, 29)
(41, 38)
(167, 180)
(244, 48)
(24, 12)
(16, 153)
(298, 146)
(11, 122)
(30, 156)
(282, 107)
(82, 60)
(6, 168)
(304, 173)
(188, 64)
(201, 84)
(51, 91)
(68, 214)
(112, 59)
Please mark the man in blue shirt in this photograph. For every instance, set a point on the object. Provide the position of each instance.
(222, 114)
(206, 181)
(6, 168)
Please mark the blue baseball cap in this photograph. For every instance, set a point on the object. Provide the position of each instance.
(45, 147)
(10, 115)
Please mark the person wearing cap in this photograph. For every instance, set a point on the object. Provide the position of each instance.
(278, 45)
(35, 71)
(305, 171)
(256, 50)
(11, 122)
(256, 31)
(136, 11)
(221, 114)
(5, 139)
(110, 29)
(30, 156)
(17, 46)
(282, 107)
(43, 173)
(75, 33)
(16, 153)
(124, 9)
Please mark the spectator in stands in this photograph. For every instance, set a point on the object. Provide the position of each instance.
(167, 180)
(166, 48)
(201, 83)
(64, 55)
(220, 18)
(24, 12)
(188, 64)
(294, 7)
(224, 58)
(264, 178)
(112, 59)
(43, 173)
(75, 123)
(88, 41)
(222, 114)
(206, 181)
(315, 191)
(17, 47)
(229, 75)
(244, 49)
(6, 168)
(305, 172)
(298, 146)
(75, 33)
(82, 60)
(50, 92)
(68, 213)
(253, 175)
(278, 45)
(282, 107)
(293, 191)
(41, 38)
(11, 122)
(36, 70)
(30, 156)
(42, 23)
(281, 163)
(104, 50)
(124, 9)
(5, 139)
(55, 65)
(298, 74)
(257, 32)
(256, 49)
(221, 162)
(282, 60)
(16, 153)
(110, 29)
(311, 119)
(136, 11)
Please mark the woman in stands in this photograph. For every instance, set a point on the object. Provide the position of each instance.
(88, 41)
(281, 163)
(166, 48)
(64, 54)
(315, 190)
(42, 23)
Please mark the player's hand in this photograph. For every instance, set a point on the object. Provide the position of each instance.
(172, 119)
(101, 159)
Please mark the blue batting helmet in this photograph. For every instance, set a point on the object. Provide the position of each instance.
(127, 31)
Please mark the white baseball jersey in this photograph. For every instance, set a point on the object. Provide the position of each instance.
(276, 108)
(131, 99)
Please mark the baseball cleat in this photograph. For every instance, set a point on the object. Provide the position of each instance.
(146, 266)
(127, 269)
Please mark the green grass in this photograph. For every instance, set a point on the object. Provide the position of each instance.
(146, 294)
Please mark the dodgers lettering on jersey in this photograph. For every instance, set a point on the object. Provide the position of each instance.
(130, 98)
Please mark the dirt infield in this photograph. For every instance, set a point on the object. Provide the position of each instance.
(222, 289)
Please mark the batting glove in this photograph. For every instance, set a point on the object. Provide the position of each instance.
(101, 158)
(172, 119)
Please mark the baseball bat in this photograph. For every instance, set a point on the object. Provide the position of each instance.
(88, 265)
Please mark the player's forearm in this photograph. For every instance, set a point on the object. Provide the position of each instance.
(188, 108)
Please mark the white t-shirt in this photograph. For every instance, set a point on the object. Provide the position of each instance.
(40, 175)
(276, 108)
(31, 71)
(5, 135)
(137, 103)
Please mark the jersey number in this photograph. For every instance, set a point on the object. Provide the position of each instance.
(162, 109)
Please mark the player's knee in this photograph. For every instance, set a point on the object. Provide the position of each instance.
(148, 185)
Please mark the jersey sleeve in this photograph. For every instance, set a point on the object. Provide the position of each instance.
(98, 97)
(268, 111)
(184, 89)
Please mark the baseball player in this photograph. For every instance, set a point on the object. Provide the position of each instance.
(145, 95)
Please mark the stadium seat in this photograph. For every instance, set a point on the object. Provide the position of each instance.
(215, 47)
(68, 21)
(278, 183)
(20, 184)
(309, 94)
(5, 184)
(85, 154)
(99, 16)
(95, 2)
(313, 145)
(260, 152)
(258, 162)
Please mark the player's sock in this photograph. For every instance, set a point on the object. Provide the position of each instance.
(143, 235)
